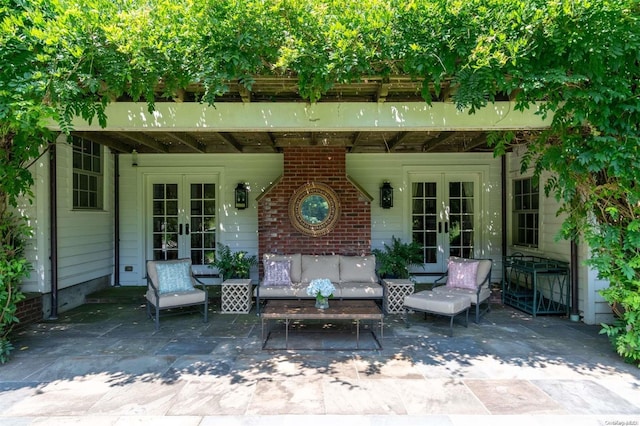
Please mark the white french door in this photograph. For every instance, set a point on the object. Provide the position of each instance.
(444, 217)
(181, 218)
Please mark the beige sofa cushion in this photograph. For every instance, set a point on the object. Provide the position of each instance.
(292, 291)
(354, 290)
(472, 295)
(295, 273)
(440, 303)
(358, 269)
(326, 266)
(168, 300)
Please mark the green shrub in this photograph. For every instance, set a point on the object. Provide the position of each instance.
(13, 268)
(233, 264)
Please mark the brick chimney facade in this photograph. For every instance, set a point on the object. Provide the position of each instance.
(352, 233)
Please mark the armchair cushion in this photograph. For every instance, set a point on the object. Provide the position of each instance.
(277, 272)
(174, 276)
(463, 273)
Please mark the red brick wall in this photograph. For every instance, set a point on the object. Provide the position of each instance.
(352, 234)
(29, 310)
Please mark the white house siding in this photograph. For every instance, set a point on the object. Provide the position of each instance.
(591, 306)
(85, 238)
(85, 241)
(38, 247)
(371, 170)
(236, 228)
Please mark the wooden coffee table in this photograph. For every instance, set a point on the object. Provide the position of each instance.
(352, 310)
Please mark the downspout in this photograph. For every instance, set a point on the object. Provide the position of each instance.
(575, 313)
(503, 177)
(116, 220)
(53, 225)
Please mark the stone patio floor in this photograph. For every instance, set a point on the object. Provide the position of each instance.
(104, 364)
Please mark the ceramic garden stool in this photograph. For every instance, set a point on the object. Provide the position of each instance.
(448, 305)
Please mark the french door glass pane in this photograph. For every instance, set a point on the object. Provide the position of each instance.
(203, 230)
(165, 221)
(424, 218)
(461, 218)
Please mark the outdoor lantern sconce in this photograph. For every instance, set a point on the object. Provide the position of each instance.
(386, 196)
(242, 196)
(134, 158)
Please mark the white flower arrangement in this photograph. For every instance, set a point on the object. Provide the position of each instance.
(321, 287)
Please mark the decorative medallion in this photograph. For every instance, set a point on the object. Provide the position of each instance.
(314, 209)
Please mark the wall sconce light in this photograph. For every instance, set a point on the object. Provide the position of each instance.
(242, 196)
(386, 196)
(134, 158)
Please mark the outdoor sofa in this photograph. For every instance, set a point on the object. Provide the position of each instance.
(287, 276)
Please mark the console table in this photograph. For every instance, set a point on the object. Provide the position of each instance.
(352, 310)
(536, 285)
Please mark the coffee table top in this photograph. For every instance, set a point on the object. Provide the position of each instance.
(338, 309)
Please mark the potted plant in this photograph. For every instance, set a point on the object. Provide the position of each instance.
(395, 260)
(233, 264)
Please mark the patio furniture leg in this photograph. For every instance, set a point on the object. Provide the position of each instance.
(451, 326)
(405, 317)
(157, 317)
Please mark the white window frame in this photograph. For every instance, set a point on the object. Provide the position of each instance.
(518, 211)
(92, 167)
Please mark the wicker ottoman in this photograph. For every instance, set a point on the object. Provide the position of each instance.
(448, 305)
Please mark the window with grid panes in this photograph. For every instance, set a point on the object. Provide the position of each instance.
(526, 204)
(87, 174)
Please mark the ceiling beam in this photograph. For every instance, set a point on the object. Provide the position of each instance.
(245, 94)
(104, 139)
(186, 140)
(143, 139)
(475, 142)
(382, 92)
(433, 144)
(228, 138)
(396, 140)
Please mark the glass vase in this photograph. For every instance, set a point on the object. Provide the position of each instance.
(322, 302)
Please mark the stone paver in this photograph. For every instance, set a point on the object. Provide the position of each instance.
(93, 367)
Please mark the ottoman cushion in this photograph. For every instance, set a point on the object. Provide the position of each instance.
(446, 304)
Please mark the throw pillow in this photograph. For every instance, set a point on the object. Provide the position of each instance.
(174, 277)
(296, 268)
(277, 273)
(462, 273)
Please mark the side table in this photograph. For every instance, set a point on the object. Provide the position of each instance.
(395, 290)
(236, 297)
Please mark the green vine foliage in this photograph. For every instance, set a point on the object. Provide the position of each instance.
(578, 60)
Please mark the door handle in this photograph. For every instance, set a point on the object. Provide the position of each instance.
(180, 229)
(439, 227)
(446, 227)
(187, 229)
